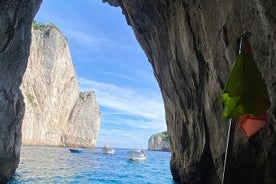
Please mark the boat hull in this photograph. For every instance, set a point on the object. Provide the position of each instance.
(108, 150)
(74, 150)
(136, 156)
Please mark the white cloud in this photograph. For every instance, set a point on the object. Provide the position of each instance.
(133, 122)
(121, 76)
(91, 40)
(126, 100)
(131, 115)
(123, 138)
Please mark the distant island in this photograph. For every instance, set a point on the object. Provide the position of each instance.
(159, 142)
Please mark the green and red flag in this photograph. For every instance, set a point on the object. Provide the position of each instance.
(245, 94)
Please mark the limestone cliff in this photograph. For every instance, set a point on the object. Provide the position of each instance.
(84, 122)
(191, 46)
(159, 142)
(56, 112)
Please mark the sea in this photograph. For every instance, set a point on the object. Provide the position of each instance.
(57, 165)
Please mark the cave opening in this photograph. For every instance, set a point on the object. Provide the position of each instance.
(93, 45)
(108, 60)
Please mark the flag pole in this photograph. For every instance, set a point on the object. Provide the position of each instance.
(232, 123)
(229, 146)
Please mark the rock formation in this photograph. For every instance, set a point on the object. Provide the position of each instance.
(191, 46)
(159, 142)
(84, 122)
(56, 112)
(16, 18)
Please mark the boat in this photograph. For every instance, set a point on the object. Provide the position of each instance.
(108, 149)
(136, 155)
(75, 150)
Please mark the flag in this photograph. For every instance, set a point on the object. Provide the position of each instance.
(252, 124)
(245, 94)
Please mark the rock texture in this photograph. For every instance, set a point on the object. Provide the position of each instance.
(159, 142)
(57, 114)
(16, 17)
(191, 46)
(84, 122)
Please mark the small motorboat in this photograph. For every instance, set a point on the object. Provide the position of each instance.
(75, 150)
(136, 155)
(108, 149)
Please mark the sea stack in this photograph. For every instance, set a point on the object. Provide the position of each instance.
(57, 113)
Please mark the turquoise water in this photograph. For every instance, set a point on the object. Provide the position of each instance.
(57, 165)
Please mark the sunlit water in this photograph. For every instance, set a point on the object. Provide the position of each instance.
(57, 165)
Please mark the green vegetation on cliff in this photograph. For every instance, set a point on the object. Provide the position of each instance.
(162, 135)
(159, 142)
(46, 28)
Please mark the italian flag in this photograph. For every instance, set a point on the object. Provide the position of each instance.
(245, 95)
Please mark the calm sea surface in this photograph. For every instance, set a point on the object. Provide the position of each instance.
(57, 165)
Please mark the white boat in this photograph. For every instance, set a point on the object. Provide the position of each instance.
(108, 149)
(136, 155)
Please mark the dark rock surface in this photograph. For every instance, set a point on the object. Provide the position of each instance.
(16, 18)
(191, 46)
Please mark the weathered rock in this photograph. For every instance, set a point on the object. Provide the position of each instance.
(15, 34)
(57, 114)
(159, 142)
(192, 46)
(84, 122)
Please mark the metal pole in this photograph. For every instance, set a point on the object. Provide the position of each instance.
(231, 129)
(229, 146)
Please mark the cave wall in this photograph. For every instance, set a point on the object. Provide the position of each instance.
(191, 46)
(15, 34)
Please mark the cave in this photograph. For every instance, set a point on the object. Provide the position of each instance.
(191, 46)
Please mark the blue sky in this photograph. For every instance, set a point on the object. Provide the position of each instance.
(109, 61)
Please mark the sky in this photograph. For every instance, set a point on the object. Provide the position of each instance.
(109, 61)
